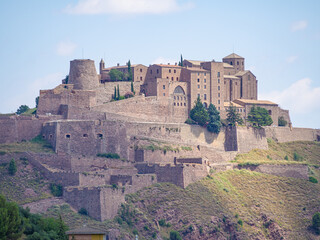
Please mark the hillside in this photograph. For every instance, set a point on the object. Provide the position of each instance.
(235, 204)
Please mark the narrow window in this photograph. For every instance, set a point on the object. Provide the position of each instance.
(198, 86)
(198, 79)
(218, 87)
(164, 94)
(169, 70)
(164, 86)
(218, 108)
(218, 80)
(270, 112)
(218, 75)
(218, 94)
(174, 104)
(99, 136)
(151, 71)
(157, 70)
(177, 104)
(218, 101)
(231, 63)
(184, 104)
(205, 80)
(140, 69)
(198, 74)
(174, 71)
(85, 135)
(174, 97)
(172, 78)
(177, 79)
(237, 62)
(141, 78)
(68, 136)
(205, 74)
(205, 86)
(205, 96)
(50, 136)
(198, 95)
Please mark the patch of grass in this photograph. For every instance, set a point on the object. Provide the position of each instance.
(313, 179)
(186, 148)
(109, 155)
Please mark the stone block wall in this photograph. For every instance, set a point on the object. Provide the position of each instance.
(286, 134)
(250, 138)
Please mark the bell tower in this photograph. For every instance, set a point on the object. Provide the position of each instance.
(236, 61)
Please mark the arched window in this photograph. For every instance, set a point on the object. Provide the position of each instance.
(270, 112)
(205, 104)
(179, 90)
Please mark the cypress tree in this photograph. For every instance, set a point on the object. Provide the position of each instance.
(118, 93)
(115, 93)
(129, 71)
(181, 61)
(12, 167)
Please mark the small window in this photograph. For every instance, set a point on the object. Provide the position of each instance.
(68, 136)
(177, 79)
(164, 94)
(85, 135)
(174, 71)
(205, 86)
(140, 69)
(218, 94)
(198, 79)
(169, 70)
(231, 63)
(174, 104)
(164, 86)
(270, 112)
(205, 74)
(218, 108)
(224, 82)
(218, 74)
(184, 104)
(218, 101)
(248, 77)
(99, 136)
(177, 104)
(141, 78)
(50, 136)
(43, 136)
(237, 109)
(172, 78)
(198, 74)
(157, 70)
(219, 88)
(185, 98)
(198, 95)
(151, 71)
(174, 97)
(218, 80)
(205, 96)
(198, 86)
(240, 109)
(205, 80)
(167, 77)
(236, 83)
(237, 62)
(177, 97)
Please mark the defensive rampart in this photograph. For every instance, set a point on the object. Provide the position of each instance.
(286, 134)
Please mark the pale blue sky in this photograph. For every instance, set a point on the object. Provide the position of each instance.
(279, 39)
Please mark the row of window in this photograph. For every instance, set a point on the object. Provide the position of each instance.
(179, 104)
(99, 136)
(179, 98)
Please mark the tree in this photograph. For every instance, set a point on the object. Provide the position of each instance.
(233, 116)
(66, 80)
(62, 228)
(118, 92)
(22, 109)
(115, 93)
(214, 122)
(132, 88)
(259, 117)
(116, 75)
(181, 61)
(282, 122)
(199, 114)
(316, 222)
(10, 220)
(12, 167)
(37, 101)
(129, 71)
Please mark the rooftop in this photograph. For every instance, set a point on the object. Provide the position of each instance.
(230, 77)
(233, 55)
(227, 65)
(251, 101)
(195, 62)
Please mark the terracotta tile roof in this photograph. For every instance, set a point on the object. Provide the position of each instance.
(166, 65)
(251, 101)
(233, 55)
(228, 104)
(86, 230)
(227, 65)
(230, 76)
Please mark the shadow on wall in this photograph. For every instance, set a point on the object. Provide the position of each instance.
(208, 136)
(259, 133)
(231, 141)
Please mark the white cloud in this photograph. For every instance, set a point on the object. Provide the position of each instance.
(126, 7)
(162, 60)
(299, 98)
(291, 59)
(66, 48)
(33, 89)
(300, 25)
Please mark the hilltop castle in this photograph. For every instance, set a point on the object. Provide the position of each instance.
(146, 132)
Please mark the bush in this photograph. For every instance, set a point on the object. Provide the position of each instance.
(22, 109)
(297, 157)
(190, 121)
(162, 222)
(83, 211)
(286, 157)
(282, 122)
(56, 189)
(316, 222)
(174, 235)
(109, 155)
(129, 95)
(12, 167)
(313, 179)
(240, 222)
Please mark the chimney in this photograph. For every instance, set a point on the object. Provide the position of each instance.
(118, 64)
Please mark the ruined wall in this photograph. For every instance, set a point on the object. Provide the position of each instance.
(285, 134)
(250, 138)
(16, 128)
(293, 170)
(193, 173)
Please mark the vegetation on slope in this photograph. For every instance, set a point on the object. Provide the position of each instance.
(37, 144)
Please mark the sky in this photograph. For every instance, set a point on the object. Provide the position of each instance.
(280, 41)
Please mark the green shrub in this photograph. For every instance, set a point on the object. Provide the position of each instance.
(174, 235)
(282, 122)
(135, 232)
(146, 228)
(114, 186)
(316, 222)
(313, 179)
(286, 157)
(270, 158)
(190, 121)
(56, 189)
(83, 211)
(240, 222)
(200, 230)
(109, 155)
(162, 222)
(154, 235)
(12, 167)
(297, 157)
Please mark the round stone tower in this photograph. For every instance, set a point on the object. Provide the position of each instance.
(83, 74)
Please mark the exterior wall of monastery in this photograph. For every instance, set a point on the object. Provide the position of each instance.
(286, 134)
